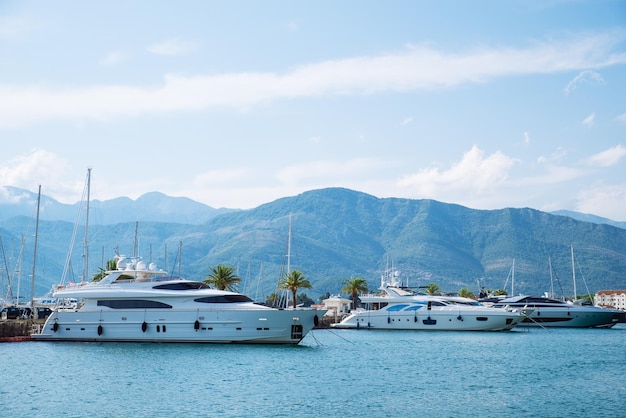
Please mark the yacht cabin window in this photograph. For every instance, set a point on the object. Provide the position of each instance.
(133, 304)
(224, 299)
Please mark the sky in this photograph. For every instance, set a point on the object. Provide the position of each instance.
(486, 104)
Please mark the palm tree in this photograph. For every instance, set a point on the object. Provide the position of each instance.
(354, 287)
(111, 265)
(222, 277)
(292, 282)
(432, 289)
(500, 292)
(466, 293)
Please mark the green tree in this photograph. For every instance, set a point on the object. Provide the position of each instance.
(354, 287)
(223, 277)
(433, 289)
(324, 297)
(466, 293)
(272, 299)
(111, 265)
(292, 282)
(304, 299)
(500, 292)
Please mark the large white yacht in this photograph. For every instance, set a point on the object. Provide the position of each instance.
(549, 312)
(402, 308)
(136, 302)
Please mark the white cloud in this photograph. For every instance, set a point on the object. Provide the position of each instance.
(608, 157)
(322, 173)
(39, 167)
(622, 117)
(219, 177)
(474, 173)
(417, 68)
(587, 76)
(608, 201)
(590, 120)
(558, 155)
(407, 121)
(14, 29)
(175, 46)
(113, 58)
(526, 138)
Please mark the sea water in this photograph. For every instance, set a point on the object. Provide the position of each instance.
(331, 373)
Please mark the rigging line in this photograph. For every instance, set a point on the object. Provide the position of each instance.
(6, 267)
(583, 277)
(315, 338)
(337, 335)
(545, 328)
(68, 260)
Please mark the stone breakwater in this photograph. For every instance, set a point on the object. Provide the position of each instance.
(12, 329)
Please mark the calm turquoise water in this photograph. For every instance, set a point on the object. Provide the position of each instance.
(332, 373)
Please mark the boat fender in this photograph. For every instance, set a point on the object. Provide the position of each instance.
(430, 305)
(196, 325)
(388, 320)
(144, 326)
(316, 320)
(415, 318)
(357, 324)
(99, 329)
(369, 325)
(460, 318)
(55, 326)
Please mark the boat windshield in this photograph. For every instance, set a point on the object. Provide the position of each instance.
(182, 286)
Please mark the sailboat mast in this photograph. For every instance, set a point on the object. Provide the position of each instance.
(513, 279)
(551, 281)
(86, 244)
(180, 256)
(573, 271)
(32, 286)
(289, 247)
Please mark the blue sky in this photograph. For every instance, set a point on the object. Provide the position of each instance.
(487, 104)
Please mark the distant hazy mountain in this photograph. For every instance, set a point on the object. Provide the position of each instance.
(589, 218)
(336, 234)
(150, 207)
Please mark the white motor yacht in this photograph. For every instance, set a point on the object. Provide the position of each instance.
(549, 312)
(399, 308)
(141, 303)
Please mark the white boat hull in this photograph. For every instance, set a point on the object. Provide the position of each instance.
(270, 326)
(435, 320)
(570, 318)
(548, 312)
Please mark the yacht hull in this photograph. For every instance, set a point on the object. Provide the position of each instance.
(548, 312)
(458, 320)
(263, 326)
(569, 318)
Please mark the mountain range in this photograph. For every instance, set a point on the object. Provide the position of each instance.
(329, 234)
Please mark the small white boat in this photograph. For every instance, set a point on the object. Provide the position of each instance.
(399, 308)
(549, 312)
(142, 304)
